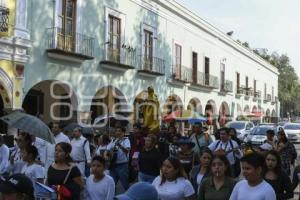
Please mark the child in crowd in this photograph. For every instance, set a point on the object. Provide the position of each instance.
(99, 185)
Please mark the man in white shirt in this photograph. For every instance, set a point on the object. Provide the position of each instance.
(50, 148)
(227, 146)
(119, 168)
(4, 157)
(80, 154)
(254, 187)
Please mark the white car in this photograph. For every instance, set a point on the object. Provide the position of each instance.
(293, 132)
(243, 128)
(259, 134)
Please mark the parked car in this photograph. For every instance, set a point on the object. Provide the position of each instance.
(293, 132)
(243, 128)
(259, 134)
(282, 123)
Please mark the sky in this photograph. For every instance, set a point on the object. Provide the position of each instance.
(271, 24)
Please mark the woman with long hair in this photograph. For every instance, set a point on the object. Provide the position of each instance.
(173, 184)
(277, 177)
(201, 171)
(287, 152)
(220, 185)
(63, 173)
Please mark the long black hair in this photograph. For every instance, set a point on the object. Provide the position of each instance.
(277, 168)
(226, 162)
(175, 162)
(67, 148)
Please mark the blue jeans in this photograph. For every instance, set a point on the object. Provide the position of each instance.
(146, 178)
(120, 172)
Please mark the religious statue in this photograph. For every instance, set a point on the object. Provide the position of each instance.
(151, 111)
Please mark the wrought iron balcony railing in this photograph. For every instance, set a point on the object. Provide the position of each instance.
(268, 98)
(182, 73)
(207, 80)
(227, 86)
(257, 94)
(123, 55)
(72, 43)
(4, 19)
(153, 65)
(240, 90)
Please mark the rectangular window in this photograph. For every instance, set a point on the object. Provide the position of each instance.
(148, 50)
(222, 76)
(114, 35)
(66, 24)
(265, 91)
(247, 86)
(238, 83)
(206, 70)
(195, 67)
(273, 99)
(178, 54)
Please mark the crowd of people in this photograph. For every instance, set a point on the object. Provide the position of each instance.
(163, 166)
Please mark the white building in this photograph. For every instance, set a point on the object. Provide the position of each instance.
(133, 44)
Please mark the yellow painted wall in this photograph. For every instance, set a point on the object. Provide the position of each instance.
(12, 18)
(8, 67)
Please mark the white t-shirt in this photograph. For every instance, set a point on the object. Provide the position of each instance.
(174, 190)
(262, 191)
(33, 171)
(103, 189)
(122, 156)
(199, 180)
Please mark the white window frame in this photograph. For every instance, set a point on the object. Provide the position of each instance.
(152, 29)
(122, 16)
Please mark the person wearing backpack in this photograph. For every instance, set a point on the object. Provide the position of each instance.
(80, 154)
(230, 148)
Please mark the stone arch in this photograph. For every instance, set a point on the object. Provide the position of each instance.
(172, 103)
(211, 111)
(108, 100)
(6, 89)
(274, 114)
(195, 105)
(224, 113)
(239, 110)
(246, 110)
(52, 100)
(254, 109)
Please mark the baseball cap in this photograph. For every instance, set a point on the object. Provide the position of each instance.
(139, 191)
(17, 183)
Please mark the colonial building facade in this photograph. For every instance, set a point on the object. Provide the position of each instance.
(14, 45)
(90, 58)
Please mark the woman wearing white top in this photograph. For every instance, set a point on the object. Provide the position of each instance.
(173, 183)
(31, 168)
(99, 185)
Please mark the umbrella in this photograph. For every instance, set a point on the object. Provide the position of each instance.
(105, 118)
(192, 117)
(30, 124)
(84, 129)
(172, 116)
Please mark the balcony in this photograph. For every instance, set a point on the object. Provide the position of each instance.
(151, 66)
(4, 19)
(119, 59)
(267, 98)
(240, 91)
(182, 74)
(257, 95)
(68, 46)
(227, 86)
(274, 100)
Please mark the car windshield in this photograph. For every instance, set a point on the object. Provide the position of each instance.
(292, 126)
(261, 130)
(237, 125)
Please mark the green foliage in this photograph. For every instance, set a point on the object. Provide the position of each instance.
(288, 81)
